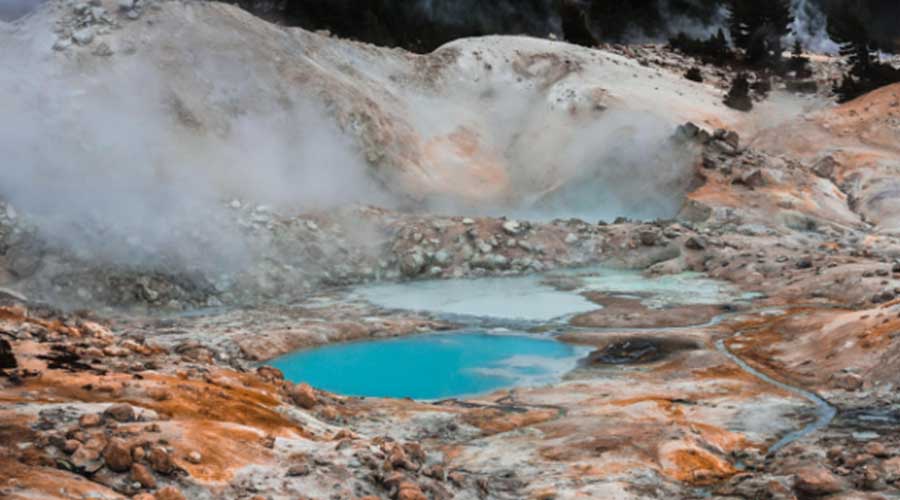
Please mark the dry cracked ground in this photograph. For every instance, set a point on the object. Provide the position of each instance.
(150, 382)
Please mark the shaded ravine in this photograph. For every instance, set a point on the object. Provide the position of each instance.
(824, 411)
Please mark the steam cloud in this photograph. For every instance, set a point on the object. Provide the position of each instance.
(96, 154)
(97, 157)
(811, 27)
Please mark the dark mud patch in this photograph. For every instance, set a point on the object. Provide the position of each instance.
(7, 358)
(630, 312)
(872, 418)
(60, 358)
(638, 350)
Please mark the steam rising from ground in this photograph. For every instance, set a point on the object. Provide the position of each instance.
(592, 164)
(811, 27)
(111, 164)
(99, 158)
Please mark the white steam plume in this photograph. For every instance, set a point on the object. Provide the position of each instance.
(811, 28)
(97, 155)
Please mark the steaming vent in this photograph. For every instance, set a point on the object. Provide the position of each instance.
(166, 156)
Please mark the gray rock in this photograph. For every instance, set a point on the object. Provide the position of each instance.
(62, 44)
(491, 262)
(687, 131)
(412, 263)
(83, 36)
(695, 243)
(648, 237)
(753, 179)
(722, 147)
(442, 257)
(512, 227)
(732, 139)
(825, 167)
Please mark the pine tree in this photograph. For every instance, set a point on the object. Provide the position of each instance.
(866, 72)
(714, 50)
(612, 19)
(575, 24)
(757, 27)
(738, 96)
(799, 63)
(694, 75)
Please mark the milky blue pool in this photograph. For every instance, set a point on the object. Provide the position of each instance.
(432, 366)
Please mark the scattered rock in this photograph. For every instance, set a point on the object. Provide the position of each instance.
(169, 493)
(753, 179)
(877, 449)
(412, 264)
(804, 263)
(270, 373)
(512, 227)
(491, 261)
(194, 457)
(732, 138)
(62, 44)
(160, 460)
(695, 243)
(817, 481)
(83, 36)
(648, 238)
(87, 459)
(117, 455)
(89, 420)
(71, 445)
(825, 167)
(141, 474)
(304, 396)
(442, 257)
(122, 412)
(298, 470)
(848, 381)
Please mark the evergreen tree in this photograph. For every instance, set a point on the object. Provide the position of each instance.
(738, 96)
(757, 27)
(799, 63)
(714, 50)
(866, 72)
(694, 75)
(576, 26)
(613, 18)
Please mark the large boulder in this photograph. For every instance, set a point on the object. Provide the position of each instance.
(304, 396)
(817, 481)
